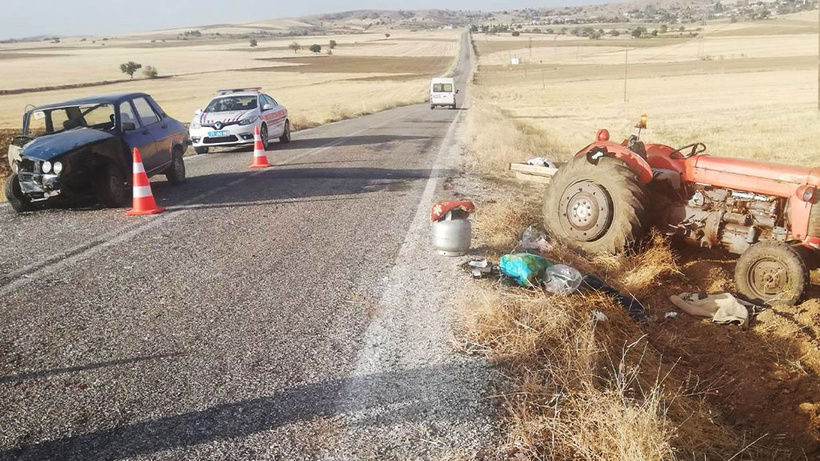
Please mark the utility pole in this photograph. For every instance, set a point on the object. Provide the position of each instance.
(530, 47)
(626, 71)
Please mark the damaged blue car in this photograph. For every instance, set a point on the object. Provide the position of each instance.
(82, 149)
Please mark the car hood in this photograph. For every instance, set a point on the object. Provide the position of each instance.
(53, 145)
(210, 118)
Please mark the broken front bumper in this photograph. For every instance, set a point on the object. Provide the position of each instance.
(39, 186)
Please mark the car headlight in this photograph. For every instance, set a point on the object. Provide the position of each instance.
(46, 167)
(16, 167)
(58, 167)
(195, 126)
(248, 120)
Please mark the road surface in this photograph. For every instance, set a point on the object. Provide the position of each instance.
(296, 312)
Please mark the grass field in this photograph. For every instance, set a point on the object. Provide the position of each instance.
(361, 76)
(680, 388)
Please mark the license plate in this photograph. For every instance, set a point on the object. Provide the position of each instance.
(217, 134)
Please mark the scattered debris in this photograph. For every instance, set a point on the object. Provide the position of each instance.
(562, 279)
(722, 308)
(541, 161)
(534, 240)
(525, 268)
(480, 267)
(599, 316)
(633, 307)
(670, 315)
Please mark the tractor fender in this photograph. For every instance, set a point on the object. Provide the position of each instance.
(611, 149)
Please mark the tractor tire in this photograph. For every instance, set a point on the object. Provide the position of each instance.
(285, 138)
(175, 174)
(771, 273)
(111, 190)
(596, 207)
(17, 199)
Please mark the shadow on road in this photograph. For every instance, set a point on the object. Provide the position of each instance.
(13, 379)
(413, 396)
(286, 183)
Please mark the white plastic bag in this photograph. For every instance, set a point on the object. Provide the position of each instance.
(561, 279)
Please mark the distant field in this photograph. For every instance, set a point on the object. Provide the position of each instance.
(366, 72)
(746, 95)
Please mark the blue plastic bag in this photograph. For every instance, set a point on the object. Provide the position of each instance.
(525, 268)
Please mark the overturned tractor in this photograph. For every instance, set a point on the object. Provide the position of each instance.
(609, 194)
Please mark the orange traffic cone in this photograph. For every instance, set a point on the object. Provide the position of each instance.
(143, 197)
(260, 158)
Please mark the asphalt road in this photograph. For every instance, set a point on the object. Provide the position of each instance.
(296, 312)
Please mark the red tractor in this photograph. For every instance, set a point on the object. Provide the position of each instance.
(607, 196)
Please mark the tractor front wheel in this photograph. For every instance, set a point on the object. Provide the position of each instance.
(771, 273)
(596, 206)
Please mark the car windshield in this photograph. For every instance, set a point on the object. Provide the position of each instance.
(232, 103)
(59, 119)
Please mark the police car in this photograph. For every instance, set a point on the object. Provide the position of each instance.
(230, 118)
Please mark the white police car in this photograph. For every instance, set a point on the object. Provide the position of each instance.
(230, 118)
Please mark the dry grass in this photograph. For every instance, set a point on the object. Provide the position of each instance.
(582, 389)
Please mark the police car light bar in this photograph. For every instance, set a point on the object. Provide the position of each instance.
(256, 89)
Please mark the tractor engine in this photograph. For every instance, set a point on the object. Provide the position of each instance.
(730, 219)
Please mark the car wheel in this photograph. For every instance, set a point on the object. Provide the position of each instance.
(201, 150)
(18, 200)
(176, 172)
(263, 134)
(111, 190)
(285, 138)
(771, 273)
(596, 207)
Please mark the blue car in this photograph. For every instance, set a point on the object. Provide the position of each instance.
(81, 149)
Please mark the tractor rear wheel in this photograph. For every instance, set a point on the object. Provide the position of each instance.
(596, 207)
(771, 273)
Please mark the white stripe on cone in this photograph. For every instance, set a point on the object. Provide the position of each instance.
(142, 191)
(138, 168)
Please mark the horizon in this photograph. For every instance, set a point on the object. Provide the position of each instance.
(156, 15)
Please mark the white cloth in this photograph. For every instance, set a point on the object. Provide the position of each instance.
(721, 307)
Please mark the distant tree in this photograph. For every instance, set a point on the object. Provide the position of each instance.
(664, 28)
(638, 31)
(473, 28)
(150, 72)
(682, 28)
(315, 48)
(655, 33)
(386, 35)
(516, 33)
(295, 46)
(254, 42)
(83, 39)
(332, 44)
(614, 32)
(129, 67)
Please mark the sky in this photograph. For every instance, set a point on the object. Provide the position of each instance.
(95, 17)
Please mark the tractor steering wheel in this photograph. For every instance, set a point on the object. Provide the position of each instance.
(694, 149)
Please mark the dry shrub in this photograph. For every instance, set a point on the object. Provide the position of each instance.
(578, 388)
(494, 139)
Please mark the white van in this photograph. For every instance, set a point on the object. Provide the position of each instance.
(443, 93)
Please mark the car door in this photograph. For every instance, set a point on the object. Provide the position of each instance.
(134, 133)
(274, 117)
(151, 126)
(165, 133)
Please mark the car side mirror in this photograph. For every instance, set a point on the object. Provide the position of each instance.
(198, 112)
(129, 126)
(456, 90)
(267, 107)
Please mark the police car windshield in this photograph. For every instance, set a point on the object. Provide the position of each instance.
(232, 103)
